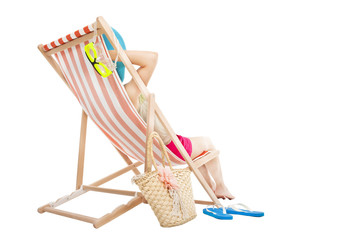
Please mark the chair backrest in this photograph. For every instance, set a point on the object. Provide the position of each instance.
(104, 100)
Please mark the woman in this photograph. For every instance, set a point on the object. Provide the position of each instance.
(196, 145)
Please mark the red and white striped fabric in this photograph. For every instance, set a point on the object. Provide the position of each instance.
(69, 37)
(106, 102)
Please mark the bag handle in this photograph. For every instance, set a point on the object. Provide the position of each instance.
(150, 153)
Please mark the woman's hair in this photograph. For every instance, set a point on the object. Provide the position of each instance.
(120, 67)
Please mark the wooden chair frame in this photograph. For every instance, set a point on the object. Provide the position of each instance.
(153, 109)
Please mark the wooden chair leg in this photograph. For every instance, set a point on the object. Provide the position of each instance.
(70, 215)
(150, 125)
(206, 186)
(80, 168)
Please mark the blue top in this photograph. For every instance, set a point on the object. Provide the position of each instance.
(120, 68)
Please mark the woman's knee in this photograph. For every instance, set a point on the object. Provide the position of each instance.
(209, 144)
(201, 144)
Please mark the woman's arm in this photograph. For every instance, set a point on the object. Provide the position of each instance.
(147, 61)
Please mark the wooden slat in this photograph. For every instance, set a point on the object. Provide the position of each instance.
(116, 174)
(204, 202)
(110, 190)
(71, 215)
(118, 211)
(206, 159)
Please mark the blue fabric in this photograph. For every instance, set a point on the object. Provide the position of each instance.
(120, 68)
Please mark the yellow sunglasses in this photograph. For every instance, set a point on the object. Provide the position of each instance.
(100, 67)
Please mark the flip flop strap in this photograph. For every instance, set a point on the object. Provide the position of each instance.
(207, 209)
(235, 207)
(215, 206)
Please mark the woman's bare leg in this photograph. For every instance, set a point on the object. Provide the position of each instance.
(213, 168)
(203, 170)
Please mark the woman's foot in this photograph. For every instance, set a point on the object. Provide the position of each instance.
(223, 193)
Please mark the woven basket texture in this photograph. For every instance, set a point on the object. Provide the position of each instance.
(158, 196)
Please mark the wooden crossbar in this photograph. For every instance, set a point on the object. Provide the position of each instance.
(206, 159)
(128, 161)
(116, 174)
(113, 191)
(131, 193)
(202, 202)
(70, 215)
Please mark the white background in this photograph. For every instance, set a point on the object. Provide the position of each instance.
(275, 84)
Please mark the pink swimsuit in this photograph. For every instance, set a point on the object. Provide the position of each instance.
(186, 142)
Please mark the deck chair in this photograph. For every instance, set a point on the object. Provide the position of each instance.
(106, 102)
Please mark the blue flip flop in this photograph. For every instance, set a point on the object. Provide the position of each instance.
(218, 213)
(233, 209)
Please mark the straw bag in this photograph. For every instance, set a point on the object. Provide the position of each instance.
(168, 191)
